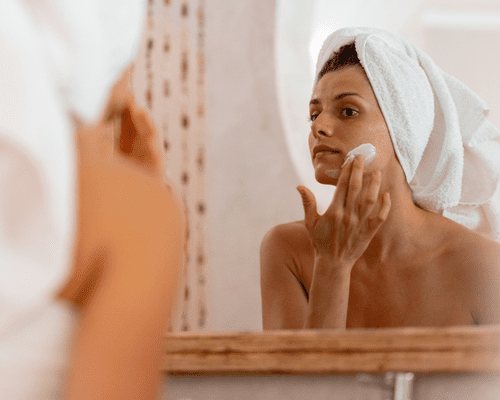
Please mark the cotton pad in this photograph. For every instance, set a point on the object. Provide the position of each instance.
(367, 150)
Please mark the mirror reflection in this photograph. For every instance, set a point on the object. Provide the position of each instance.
(409, 238)
(257, 116)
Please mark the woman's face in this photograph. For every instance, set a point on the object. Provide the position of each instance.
(344, 114)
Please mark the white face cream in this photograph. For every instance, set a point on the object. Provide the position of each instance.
(333, 173)
(367, 150)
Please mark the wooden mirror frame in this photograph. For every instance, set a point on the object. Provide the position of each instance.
(420, 350)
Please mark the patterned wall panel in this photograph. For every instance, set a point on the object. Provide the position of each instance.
(170, 81)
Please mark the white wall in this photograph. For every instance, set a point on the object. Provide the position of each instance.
(251, 181)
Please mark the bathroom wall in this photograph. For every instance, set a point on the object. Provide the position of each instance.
(463, 38)
(250, 179)
(219, 56)
(170, 81)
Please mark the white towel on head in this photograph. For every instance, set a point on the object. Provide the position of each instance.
(449, 151)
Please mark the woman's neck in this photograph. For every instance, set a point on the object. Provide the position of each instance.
(403, 232)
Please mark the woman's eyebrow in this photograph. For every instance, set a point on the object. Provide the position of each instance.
(338, 97)
(342, 95)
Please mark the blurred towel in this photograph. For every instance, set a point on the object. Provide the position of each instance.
(448, 149)
(58, 58)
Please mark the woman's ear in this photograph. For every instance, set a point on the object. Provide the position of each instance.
(121, 95)
(138, 140)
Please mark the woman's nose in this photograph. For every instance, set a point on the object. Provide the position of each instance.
(322, 126)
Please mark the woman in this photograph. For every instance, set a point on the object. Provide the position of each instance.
(384, 254)
(90, 242)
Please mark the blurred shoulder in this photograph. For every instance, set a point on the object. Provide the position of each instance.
(119, 206)
(120, 194)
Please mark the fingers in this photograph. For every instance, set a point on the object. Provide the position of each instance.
(341, 189)
(355, 184)
(309, 203)
(348, 188)
(380, 218)
(369, 197)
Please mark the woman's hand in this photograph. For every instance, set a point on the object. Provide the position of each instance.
(345, 230)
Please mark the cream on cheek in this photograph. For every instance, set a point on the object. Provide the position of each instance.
(366, 149)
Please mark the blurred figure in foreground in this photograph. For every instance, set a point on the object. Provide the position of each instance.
(90, 242)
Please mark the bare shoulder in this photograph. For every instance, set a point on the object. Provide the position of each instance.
(120, 210)
(282, 257)
(124, 197)
(471, 248)
(290, 236)
(286, 246)
(475, 260)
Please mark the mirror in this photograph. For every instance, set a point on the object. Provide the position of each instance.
(232, 58)
(302, 27)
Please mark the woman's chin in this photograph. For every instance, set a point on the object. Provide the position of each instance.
(326, 178)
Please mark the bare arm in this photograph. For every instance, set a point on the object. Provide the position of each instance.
(329, 294)
(284, 299)
(339, 238)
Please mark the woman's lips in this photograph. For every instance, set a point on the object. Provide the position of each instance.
(322, 149)
(326, 153)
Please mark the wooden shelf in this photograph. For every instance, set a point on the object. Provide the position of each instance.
(424, 350)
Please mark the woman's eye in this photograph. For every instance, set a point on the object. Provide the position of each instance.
(313, 117)
(348, 112)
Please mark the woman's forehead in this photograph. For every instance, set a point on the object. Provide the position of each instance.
(348, 79)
